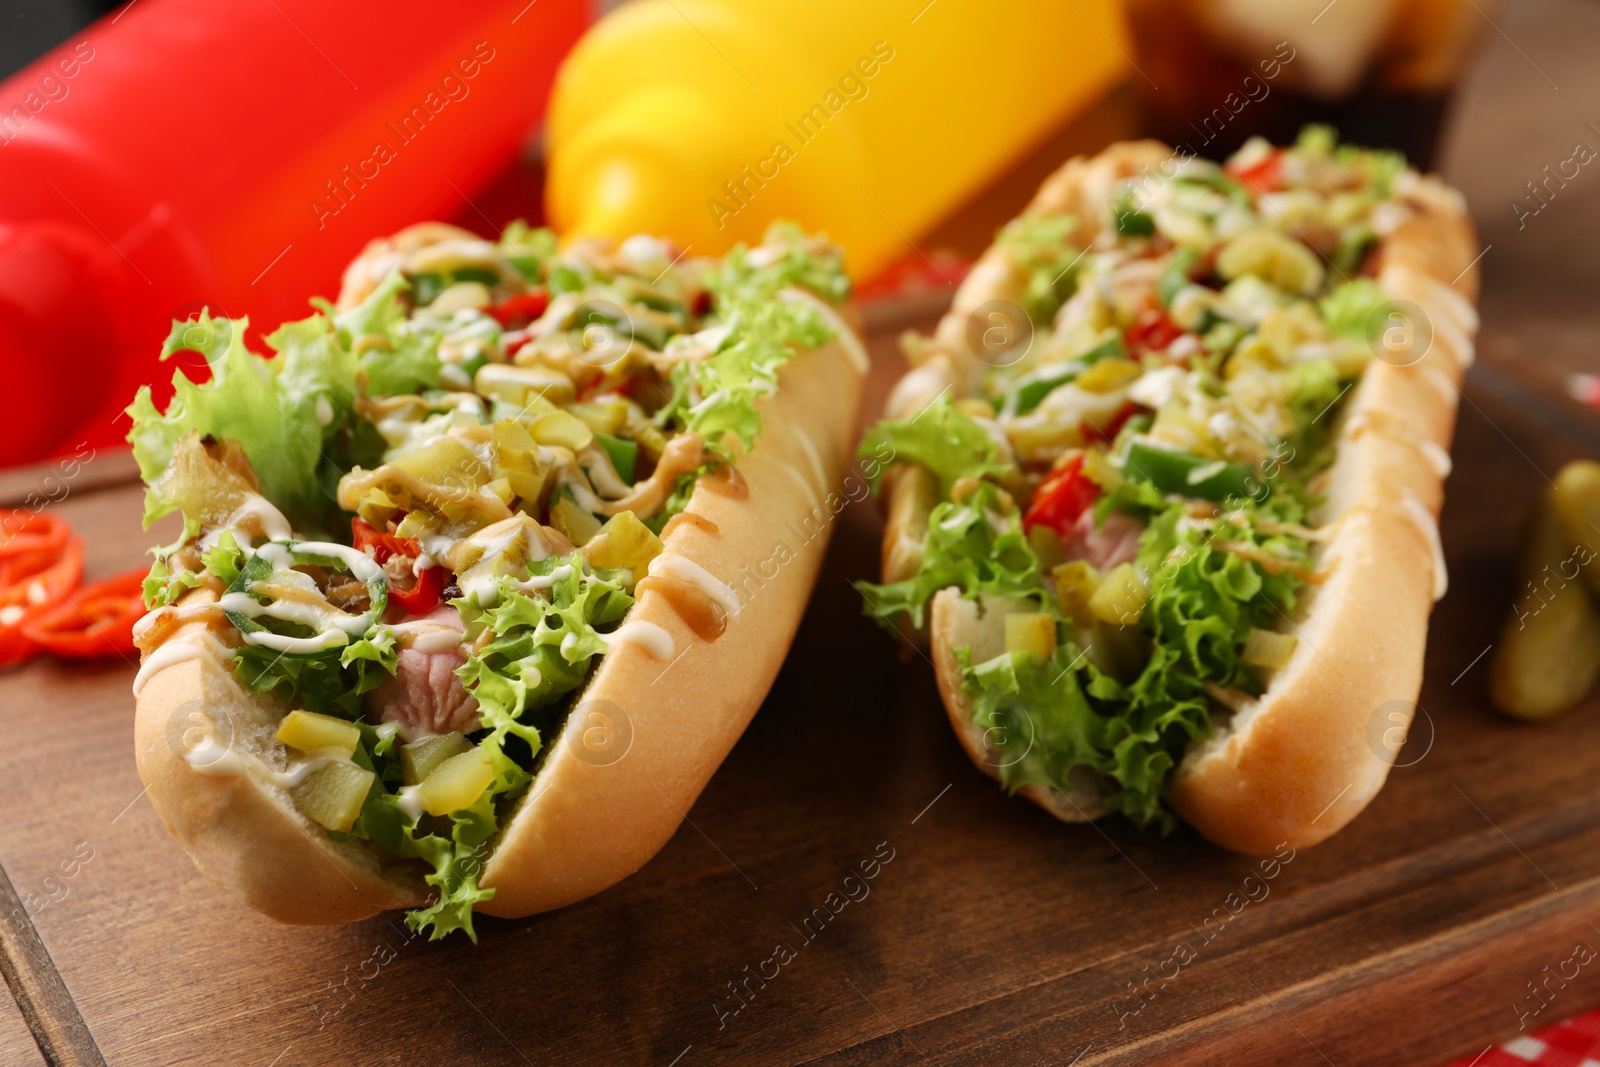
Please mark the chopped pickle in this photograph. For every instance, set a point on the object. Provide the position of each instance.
(1120, 597)
(1046, 544)
(623, 541)
(332, 795)
(446, 461)
(560, 430)
(519, 385)
(456, 782)
(573, 521)
(1075, 585)
(518, 459)
(419, 758)
(1280, 261)
(1266, 648)
(310, 732)
(1031, 631)
(1109, 375)
(606, 416)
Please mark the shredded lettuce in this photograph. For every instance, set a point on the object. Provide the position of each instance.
(397, 358)
(976, 545)
(1049, 717)
(331, 682)
(717, 395)
(291, 412)
(1039, 247)
(542, 646)
(949, 443)
(1350, 306)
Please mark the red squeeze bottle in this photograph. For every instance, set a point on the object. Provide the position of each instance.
(187, 152)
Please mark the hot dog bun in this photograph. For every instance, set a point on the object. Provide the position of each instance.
(1298, 763)
(585, 823)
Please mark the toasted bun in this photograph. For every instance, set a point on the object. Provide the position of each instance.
(242, 830)
(1304, 759)
(587, 822)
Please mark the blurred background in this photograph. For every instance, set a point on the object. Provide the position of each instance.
(908, 130)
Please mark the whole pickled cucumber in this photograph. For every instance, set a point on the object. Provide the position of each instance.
(1548, 655)
(1577, 502)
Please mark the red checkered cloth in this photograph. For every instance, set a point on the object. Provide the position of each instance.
(1574, 1043)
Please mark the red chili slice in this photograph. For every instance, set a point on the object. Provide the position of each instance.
(96, 620)
(1062, 498)
(383, 545)
(518, 311)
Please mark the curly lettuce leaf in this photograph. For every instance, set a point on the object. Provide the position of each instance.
(717, 395)
(331, 682)
(397, 359)
(977, 545)
(1350, 306)
(1039, 246)
(948, 442)
(1050, 717)
(284, 410)
(543, 643)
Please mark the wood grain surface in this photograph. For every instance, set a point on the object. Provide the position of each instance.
(989, 933)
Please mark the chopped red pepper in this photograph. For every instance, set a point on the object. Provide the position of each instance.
(383, 545)
(1152, 331)
(1109, 431)
(518, 311)
(422, 597)
(700, 304)
(96, 620)
(1265, 176)
(1062, 498)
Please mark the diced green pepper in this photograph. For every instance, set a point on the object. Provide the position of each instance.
(623, 452)
(1188, 475)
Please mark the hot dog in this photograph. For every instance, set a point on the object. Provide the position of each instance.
(1168, 525)
(454, 622)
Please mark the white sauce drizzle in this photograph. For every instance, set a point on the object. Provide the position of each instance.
(226, 762)
(409, 801)
(809, 447)
(672, 565)
(179, 650)
(647, 635)
(1412, 508)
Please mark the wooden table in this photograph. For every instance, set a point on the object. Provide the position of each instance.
(993, 935)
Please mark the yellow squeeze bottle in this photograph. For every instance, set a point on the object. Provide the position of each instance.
(704, 120)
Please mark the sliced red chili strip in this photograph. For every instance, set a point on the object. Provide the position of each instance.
(422, 597)
(96, 620)
(383, 545)
(518, 311)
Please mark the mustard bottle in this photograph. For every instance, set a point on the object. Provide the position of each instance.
(704, 120)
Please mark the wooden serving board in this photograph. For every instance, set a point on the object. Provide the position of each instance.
(988, 933)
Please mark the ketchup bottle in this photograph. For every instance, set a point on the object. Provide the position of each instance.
(189, 153)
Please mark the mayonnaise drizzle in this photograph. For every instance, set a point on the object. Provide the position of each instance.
(180, 649)
(222, 761)
(672, 565)
(809, 447)
(647, 635)
(1423, 519)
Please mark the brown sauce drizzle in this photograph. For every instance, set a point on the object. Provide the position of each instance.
(689, 518)
(727, 482)
(694, 605)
